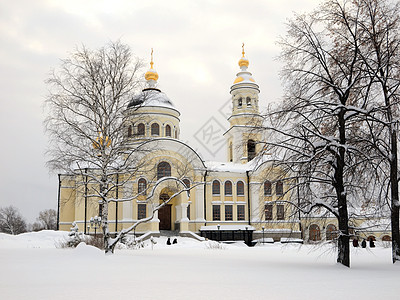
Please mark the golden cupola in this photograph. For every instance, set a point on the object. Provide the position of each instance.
(151, 75)
(244, 77)
(243, 62)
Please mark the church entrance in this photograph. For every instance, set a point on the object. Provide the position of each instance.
(164, 215)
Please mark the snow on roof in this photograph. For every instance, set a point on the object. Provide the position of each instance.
(159, 99)
(217, 166)
(151, 97)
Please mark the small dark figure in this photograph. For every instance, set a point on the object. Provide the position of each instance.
(175, 241)
(168, 241)
(355, 242)
(371, 243)
(364, 244)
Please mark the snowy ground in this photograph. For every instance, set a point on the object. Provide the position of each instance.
(32, 268)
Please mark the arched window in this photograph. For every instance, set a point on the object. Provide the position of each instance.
(279, 188)
(248, 101)
(167, 130)
(371, 237)
(386, 238)
(314, 233)
(240, 102)
(215, 187)
(251, 150)
(142, 185)
(141, 129)
(155, 129)
(186, 182)
(331, 232)
(240, 188)
(267, 188)
(228, 188)
(163, 170)
(130, 131)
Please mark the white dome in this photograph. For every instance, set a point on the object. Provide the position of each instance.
(151, 97)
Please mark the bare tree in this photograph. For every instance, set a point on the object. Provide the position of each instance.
(317, 127)
(47, 220)
(11, 221)
(87, 97)
(379, 26)
(91, 139)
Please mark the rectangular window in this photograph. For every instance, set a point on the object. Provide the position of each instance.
(228, 213)
(188, 212)
(141, 211)
(216, 213)
(280, 212)
(268, 212)
(240, 212)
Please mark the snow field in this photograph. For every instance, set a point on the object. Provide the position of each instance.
(32, 268)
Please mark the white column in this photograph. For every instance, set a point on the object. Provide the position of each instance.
(127, 207)
(184, 217)
(255, 202)
(199, 207)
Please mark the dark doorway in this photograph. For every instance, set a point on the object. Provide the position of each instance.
(164, 215)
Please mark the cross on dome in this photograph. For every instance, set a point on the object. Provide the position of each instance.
(243, 62)
(151, 75)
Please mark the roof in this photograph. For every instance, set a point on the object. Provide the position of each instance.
(151, 97)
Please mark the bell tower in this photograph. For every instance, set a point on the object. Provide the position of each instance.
(244, 135)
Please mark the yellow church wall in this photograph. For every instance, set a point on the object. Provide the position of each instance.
(150, 115)
(223, 199)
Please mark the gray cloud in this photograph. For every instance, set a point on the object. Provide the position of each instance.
(197, 45)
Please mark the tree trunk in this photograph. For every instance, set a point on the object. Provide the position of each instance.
(104, 216)
(394, 199)
(343, 220)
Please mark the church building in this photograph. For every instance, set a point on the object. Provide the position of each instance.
(242, 198)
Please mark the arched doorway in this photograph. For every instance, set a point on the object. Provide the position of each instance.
(164, 213)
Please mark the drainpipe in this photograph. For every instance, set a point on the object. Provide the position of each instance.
(248, 196)
(205, 197)
(86, 190)
(58, 202)
(116, 206)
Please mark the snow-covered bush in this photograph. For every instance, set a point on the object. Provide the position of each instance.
(213, 245)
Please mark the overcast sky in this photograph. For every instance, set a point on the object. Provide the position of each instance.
(197, 45)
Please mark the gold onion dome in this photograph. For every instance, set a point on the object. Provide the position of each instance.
(244, 77)
(101, 142)
(243, 62)
(151, 74)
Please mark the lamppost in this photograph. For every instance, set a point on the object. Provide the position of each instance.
(219, 234)
(88, 229)
(95, 223)
(263, 228)
(246, 240)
